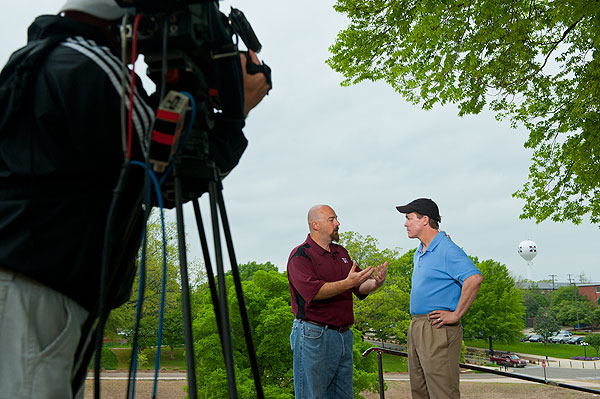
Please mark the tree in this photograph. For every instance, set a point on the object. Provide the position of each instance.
(386, 312)
(570, 306)
(533, 300)
(173, 330)
(567, 294)
(497, 312)
(124, 317)
(534, 62)
(365, 252)
(568, 314)
(247, 270)
(595, 318)
(594, 341)
(545, 324)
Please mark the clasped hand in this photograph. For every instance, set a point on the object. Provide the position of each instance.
(378, 274)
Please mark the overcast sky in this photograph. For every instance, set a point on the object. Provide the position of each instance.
(364, 150)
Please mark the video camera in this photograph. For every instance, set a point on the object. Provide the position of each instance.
(189, 47)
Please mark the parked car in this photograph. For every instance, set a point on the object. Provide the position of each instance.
(536, 338)
(526, 337)
(508, 359)
(577, 340)
(561, 338)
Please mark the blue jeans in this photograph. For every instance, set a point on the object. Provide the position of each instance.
(322, 362)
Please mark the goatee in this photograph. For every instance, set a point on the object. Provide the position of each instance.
(335, 236)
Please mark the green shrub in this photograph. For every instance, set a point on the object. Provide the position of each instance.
(108, 361)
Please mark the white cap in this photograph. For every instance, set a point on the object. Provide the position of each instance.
(105, 9)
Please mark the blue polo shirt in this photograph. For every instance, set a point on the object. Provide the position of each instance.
(438, 275)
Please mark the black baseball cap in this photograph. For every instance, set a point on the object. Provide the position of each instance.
(424, 206)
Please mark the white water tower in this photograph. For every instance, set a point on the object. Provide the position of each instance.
(528, 251)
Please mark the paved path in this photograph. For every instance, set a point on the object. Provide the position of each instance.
(592, 380)
(144, 375)
(488, 378)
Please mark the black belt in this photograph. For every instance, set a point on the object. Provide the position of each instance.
(340, 329)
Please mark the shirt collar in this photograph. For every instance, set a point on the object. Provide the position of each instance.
(333, 248)
(434, 243)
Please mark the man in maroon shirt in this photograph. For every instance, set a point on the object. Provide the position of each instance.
(322, 279)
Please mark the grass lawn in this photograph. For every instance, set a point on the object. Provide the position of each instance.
(564, 351)
(166, 363)
(393, 364)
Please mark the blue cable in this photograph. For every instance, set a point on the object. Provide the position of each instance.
(156, 186)
(183, 139)
(141, 286)
(141, 289)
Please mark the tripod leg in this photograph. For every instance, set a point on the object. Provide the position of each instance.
(226, 342)
(209, 272)
(185, 294)
(240, 296)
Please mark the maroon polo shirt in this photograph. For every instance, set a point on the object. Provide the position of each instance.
(309, 267)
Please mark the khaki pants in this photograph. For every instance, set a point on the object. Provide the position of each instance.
(433, 357)
(39, 332)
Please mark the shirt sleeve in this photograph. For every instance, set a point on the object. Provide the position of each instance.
(302, 276)
(460, 266)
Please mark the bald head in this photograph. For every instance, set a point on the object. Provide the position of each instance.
(323, 225)
(315, 214)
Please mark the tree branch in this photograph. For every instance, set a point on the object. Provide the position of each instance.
(564, 35)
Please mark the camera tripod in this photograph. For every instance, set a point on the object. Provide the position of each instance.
(209, 175)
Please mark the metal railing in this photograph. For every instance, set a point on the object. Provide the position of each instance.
(544, 381)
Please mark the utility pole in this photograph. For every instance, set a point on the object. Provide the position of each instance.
(552, 275)
(575, 294)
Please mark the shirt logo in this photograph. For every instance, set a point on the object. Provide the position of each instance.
(345, 260)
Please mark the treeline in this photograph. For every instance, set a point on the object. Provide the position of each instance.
(566, 305)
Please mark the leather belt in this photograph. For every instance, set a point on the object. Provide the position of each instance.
(341, 329)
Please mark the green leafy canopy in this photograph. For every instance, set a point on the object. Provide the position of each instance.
(498, 310)
(534, 62)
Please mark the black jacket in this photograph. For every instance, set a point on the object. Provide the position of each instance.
(60, 158)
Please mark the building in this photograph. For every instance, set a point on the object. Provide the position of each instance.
(591, 291)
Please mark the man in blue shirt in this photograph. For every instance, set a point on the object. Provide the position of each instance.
(444, 284)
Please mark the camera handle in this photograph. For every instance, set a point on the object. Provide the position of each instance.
(219, 299)
(252, 68)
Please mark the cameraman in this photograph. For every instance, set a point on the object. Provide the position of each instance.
(61, 154)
